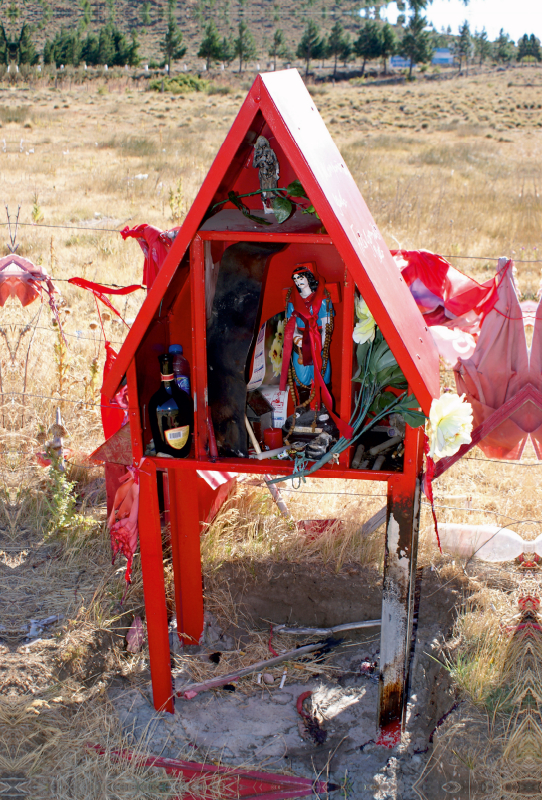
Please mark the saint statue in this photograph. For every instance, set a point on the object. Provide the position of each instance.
(306, 366)
(311, 314)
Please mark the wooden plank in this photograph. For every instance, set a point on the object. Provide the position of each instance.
(249, 236)
(154, 590)
(270, 467)
(199, 346)
(185, 543)
(374, 522)
(398, 586)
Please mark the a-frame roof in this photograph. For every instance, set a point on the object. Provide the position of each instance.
(288, 109)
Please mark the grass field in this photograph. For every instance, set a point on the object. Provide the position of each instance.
(449, 166)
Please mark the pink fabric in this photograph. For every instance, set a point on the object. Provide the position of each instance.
(20, 278)
(443, 294)
(122, 522)
(452, 343)
(135, 636)
(115, 411)
(155, 245)
(497, 370)
(536, 380)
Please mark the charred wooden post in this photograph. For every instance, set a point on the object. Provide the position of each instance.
(398, 588)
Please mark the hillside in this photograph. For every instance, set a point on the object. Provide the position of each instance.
(263, 17)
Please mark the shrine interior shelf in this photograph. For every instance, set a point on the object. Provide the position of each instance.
(266, 466)
(232, 225)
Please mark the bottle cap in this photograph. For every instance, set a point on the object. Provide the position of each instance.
(176, 348)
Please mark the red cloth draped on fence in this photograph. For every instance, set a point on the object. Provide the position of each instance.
(155, 245)
(443, 294)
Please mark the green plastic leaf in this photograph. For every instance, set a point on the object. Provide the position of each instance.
(295, 189)
(311, 210)
(282, 208)
(234, 198)
(409, 410)
(382, 402)
(361, 352)
(414, 418)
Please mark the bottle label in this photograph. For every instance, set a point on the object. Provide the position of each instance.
(177, 437)
(168, 377)
(183, 382)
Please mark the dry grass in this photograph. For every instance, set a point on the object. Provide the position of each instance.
(448, 166)
(250, 528)
(46, 733)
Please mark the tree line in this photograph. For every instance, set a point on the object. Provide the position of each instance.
(375, 41)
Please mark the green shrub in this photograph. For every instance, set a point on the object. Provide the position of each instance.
(180, 84)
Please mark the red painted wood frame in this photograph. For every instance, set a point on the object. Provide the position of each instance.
(403, 509)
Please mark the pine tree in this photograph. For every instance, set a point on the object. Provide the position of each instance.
(503, 48)
(90, 50)
(346, 50)
(388, 44)
(278, 47)
(245, 47)
(417, 44)
(227, 50)
(534, 45)
(463, 47)
(172, 43)
(110, 11)
(368, 45)
(482, 45)
(211, 46)
(66, 48)
(26, 51)
(529, 48)
(4, 46)
(106, 46)
(146, 13)
(86, 8)
(48, 54)
(310, 46)
(335, 44)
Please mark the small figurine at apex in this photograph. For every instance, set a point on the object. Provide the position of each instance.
(267, 165)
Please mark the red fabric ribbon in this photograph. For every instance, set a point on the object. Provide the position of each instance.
(99, 291)
(123, 521)
(428, 485)
(311, 341)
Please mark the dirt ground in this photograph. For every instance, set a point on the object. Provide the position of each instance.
(452, 168)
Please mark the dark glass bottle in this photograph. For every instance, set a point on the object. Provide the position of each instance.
(171, 414)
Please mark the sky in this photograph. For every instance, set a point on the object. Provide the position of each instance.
(515, 16)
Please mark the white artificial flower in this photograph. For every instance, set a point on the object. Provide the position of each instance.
(450, 424)
(364, 330)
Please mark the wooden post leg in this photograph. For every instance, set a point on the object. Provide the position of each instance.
(186, 553)
(398, 602)
(152, 565)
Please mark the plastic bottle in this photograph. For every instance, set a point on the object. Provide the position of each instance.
(181, 368)
(486, 542)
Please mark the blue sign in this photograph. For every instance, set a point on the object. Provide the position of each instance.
(443, 56)
(398, 62)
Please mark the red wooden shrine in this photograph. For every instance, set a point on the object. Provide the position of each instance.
(350, 252)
